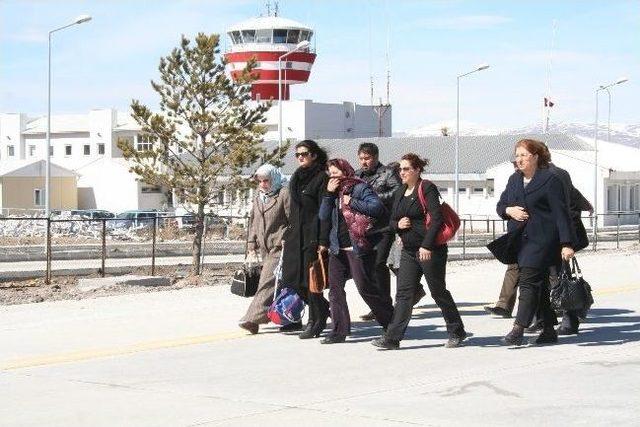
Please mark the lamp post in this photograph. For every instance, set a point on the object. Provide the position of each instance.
(79, 20)
(595, 144)
(302, 45)
(456, 200)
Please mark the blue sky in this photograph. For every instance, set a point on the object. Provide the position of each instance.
(110, 60)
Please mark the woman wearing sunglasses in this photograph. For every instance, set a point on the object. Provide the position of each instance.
(351, 208)
(306, 188)
(420, 255)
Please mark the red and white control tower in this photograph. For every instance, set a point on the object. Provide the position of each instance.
(267, 38)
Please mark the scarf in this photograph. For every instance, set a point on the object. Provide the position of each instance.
(358, 223)
(301, 177)
(275, 177)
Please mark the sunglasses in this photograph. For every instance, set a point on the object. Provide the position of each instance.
(407, 169)
(302, 154)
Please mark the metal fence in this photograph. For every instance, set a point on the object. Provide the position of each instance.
(37, 247)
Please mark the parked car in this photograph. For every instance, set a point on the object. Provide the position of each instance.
(135, 219)
(93, 213)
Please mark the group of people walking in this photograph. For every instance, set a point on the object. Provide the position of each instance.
(352, 218)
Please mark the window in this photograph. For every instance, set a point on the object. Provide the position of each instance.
(279, 36)
(264, 36)
(293, 36)
(248, 36)
(101, 149)
(86, 150)
(442, 190)
(478, 190)
(235, 37)
(38, 197)
(305, 35)
(32, 150)
(151, 189)
(11, 151)
(67, 150)
(51, 150)
(144, 143)
(288, 65)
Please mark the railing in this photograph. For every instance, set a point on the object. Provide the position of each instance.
(115, 246)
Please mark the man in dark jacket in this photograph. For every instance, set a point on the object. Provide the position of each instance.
(385, 181)
(507, 299)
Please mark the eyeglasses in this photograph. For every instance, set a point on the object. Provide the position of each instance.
(406, 169)
(302, 154)
(523, 156)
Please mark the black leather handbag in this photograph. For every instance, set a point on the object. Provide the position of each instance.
(572, 292)
(245, 280)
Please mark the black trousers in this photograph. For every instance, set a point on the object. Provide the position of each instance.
(534, 297)
(382, 274)
(434, 270)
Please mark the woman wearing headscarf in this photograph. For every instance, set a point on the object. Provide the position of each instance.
(535, 205)
(268, 221)
(350, 207)
(306, 187)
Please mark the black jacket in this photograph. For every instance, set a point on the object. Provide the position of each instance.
(548, 226)
(303, 235)
(384, 181)
(417, 236)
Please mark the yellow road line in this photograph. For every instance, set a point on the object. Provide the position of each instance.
(78, 356)
(82, 355)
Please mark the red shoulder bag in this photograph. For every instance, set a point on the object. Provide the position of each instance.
(450, 219)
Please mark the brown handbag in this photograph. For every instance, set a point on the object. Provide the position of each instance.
(318, 280)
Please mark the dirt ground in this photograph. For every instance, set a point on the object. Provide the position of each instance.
(65, 287)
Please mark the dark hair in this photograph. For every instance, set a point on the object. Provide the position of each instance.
(536, 147)
(368, 148)
(415, 161)
(314, 148)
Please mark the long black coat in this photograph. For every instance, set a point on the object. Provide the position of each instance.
(302, 237)
(548, 226)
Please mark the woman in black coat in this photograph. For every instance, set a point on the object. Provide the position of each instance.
(535, 205)
(306, 187)
(421, 255)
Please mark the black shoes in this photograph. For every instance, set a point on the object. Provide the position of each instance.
(291, 327)
(564, 330)
(455, 340)
(515, 337)
(497, 311)
(386, 343)
(333, 339)
(368, 317)
(250, 326)
(548, 336)
(538, 326)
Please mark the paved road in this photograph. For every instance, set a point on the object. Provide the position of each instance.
(177, 358)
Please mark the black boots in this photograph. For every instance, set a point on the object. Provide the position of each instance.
(515, 337)
(318, 314)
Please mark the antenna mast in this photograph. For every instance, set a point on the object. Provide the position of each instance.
(548, 103)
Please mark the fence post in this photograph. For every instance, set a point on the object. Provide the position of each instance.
(487, 225)
(618, 232)
(464, 239)
(204, 238)
(153, 245)
(494, 229)
(47, 279)
(104, 247)
(638, 227)
(595, 233)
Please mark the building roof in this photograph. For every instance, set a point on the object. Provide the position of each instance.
(32, 168)
(268, 23)
(477, 153)
(60, 123)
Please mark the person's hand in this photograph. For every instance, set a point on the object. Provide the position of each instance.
(404, 223)
(518, 213)
(346, 199)
(322, 249)
(424, 254)
(567, 253)
(333, 184)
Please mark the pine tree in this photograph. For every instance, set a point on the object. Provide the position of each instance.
(205, 133)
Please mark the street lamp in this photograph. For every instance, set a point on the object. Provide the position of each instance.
(457, 159)
(595, 143)
(79, 20)
(302, 45)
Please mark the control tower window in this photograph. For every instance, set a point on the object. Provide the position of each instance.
(248, 36)
(305, 35)
(293, 36)
(263, 36)
(235, 37)
(279, 36)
